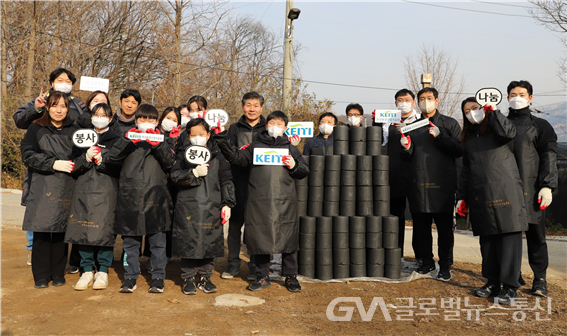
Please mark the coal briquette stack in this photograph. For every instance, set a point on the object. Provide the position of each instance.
(357, 245)
(375, 262)
(374, 250)
(390, 232)
(357, 141)
(373, 232)
(393, 268)
(340, 140)
(302, 191)
(381, 200)
(332, 185)
(341, 255)
(306, 255)
(347, 205)
(316, 192)
(374, 140)
(380, 162)
(324, 248)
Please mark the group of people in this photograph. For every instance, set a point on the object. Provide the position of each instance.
(124, 186)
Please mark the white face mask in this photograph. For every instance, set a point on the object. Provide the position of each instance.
(475, 116)
(353, 121)
(146, 126)
(427, 106)
(326, 129)
(65, 88)
(404, 107)
(275, 131)
(168, 125)
(198, 141)
(184, 121)
(100, 122)
(518, 103)
(195, 115)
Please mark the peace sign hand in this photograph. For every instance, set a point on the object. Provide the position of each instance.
(40, 101)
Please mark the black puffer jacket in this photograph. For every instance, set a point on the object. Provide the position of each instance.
(535, 149)
(272, 223)
(490, 181)
(144, 205)
(91, 218)
(399, 169)
(197, 231)
(50, 191)
(432, 166)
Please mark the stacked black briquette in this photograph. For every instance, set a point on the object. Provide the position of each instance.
(345, 226)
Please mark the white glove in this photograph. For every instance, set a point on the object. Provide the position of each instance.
(63, 166)
(289, 161)
(201, 170)
(433, 130)
(405, 141)
(294, 140)
(225, 214)
(97, 158)
(399, 126)
(544, 198)
(94, 150)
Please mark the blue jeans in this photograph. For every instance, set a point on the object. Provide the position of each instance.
(29, 236)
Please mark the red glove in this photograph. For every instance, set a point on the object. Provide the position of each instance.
(218, 129)
(152, 131)
(462, 208)
(133, 130)
(294, 140)
(244, 147)
(175, 132)
(433, 130)
(405, 140)
(488, 108)
(225, 215)
(373, 115)
(202, 116)
(96, 150)
(288, 161)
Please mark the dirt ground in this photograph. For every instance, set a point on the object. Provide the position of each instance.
(62, 310)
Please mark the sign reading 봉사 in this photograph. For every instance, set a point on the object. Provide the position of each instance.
(269, 156)
(85, 138)
(197, 155)
(303, 129)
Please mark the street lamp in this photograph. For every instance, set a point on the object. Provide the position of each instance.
(291, 14)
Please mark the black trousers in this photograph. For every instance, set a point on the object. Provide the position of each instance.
(192, 267)
(49, 255)
(398, 208)
(168, 238)
(537, 248)
(502, 258)
(75, 258)
(289, 264)
(422, 238)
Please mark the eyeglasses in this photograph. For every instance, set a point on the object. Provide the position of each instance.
(354, 115)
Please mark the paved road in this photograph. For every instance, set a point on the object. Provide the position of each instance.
(466, 246)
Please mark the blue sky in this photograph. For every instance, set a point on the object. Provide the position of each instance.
(364, 43)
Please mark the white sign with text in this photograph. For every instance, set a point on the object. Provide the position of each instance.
(269, 156)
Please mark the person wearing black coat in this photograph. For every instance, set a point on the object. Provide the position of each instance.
(242, 133)
(431, 153)
(271, 209)
(535, 149)
(491, 187)
(144, 205)
(91, 219)
(125, 118)
(47, 150)
(205, 197)
(322, 144)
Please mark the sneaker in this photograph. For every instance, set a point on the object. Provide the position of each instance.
(487, 290)
(521, 281)
(292, 284)
(72, 270)
(85, 281)
(426, 269)
(101, 280)
(444, 274)
(42, 283)
(506, 296)
(149, 266)
(128, 286)
(206, 285)
(231, 272)
(539, 287)
(157, 286)
(189, 286)
(58, 281)
(29, 258)
(251, 272)
(260, 283)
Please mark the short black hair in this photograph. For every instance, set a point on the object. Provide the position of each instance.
(131, 92)
(166, 112)
(56, 73)
(523, 84)
(329, 114)
(354, 106)
(253, 95)
(181, 107)
(404, 92)
(196, 122)
(147, 111)
(107, 109)
(428, 89)
(200, 100)
(277, 115)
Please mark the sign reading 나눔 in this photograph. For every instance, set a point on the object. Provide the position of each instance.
(488, 96)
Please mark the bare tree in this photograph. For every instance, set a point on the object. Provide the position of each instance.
(552, 14)
(445, 78)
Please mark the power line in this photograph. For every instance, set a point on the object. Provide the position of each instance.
(500, 4)
(466, 10)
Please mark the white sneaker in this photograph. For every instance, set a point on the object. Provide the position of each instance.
(85, 281)
(101, 280)
(29, 258)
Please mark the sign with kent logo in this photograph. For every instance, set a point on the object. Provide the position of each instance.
(145, 136)
(269, 156)
(303, 129)
(415, 125)
(387, 116)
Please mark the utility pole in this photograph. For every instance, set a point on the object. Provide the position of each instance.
(291, 14)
